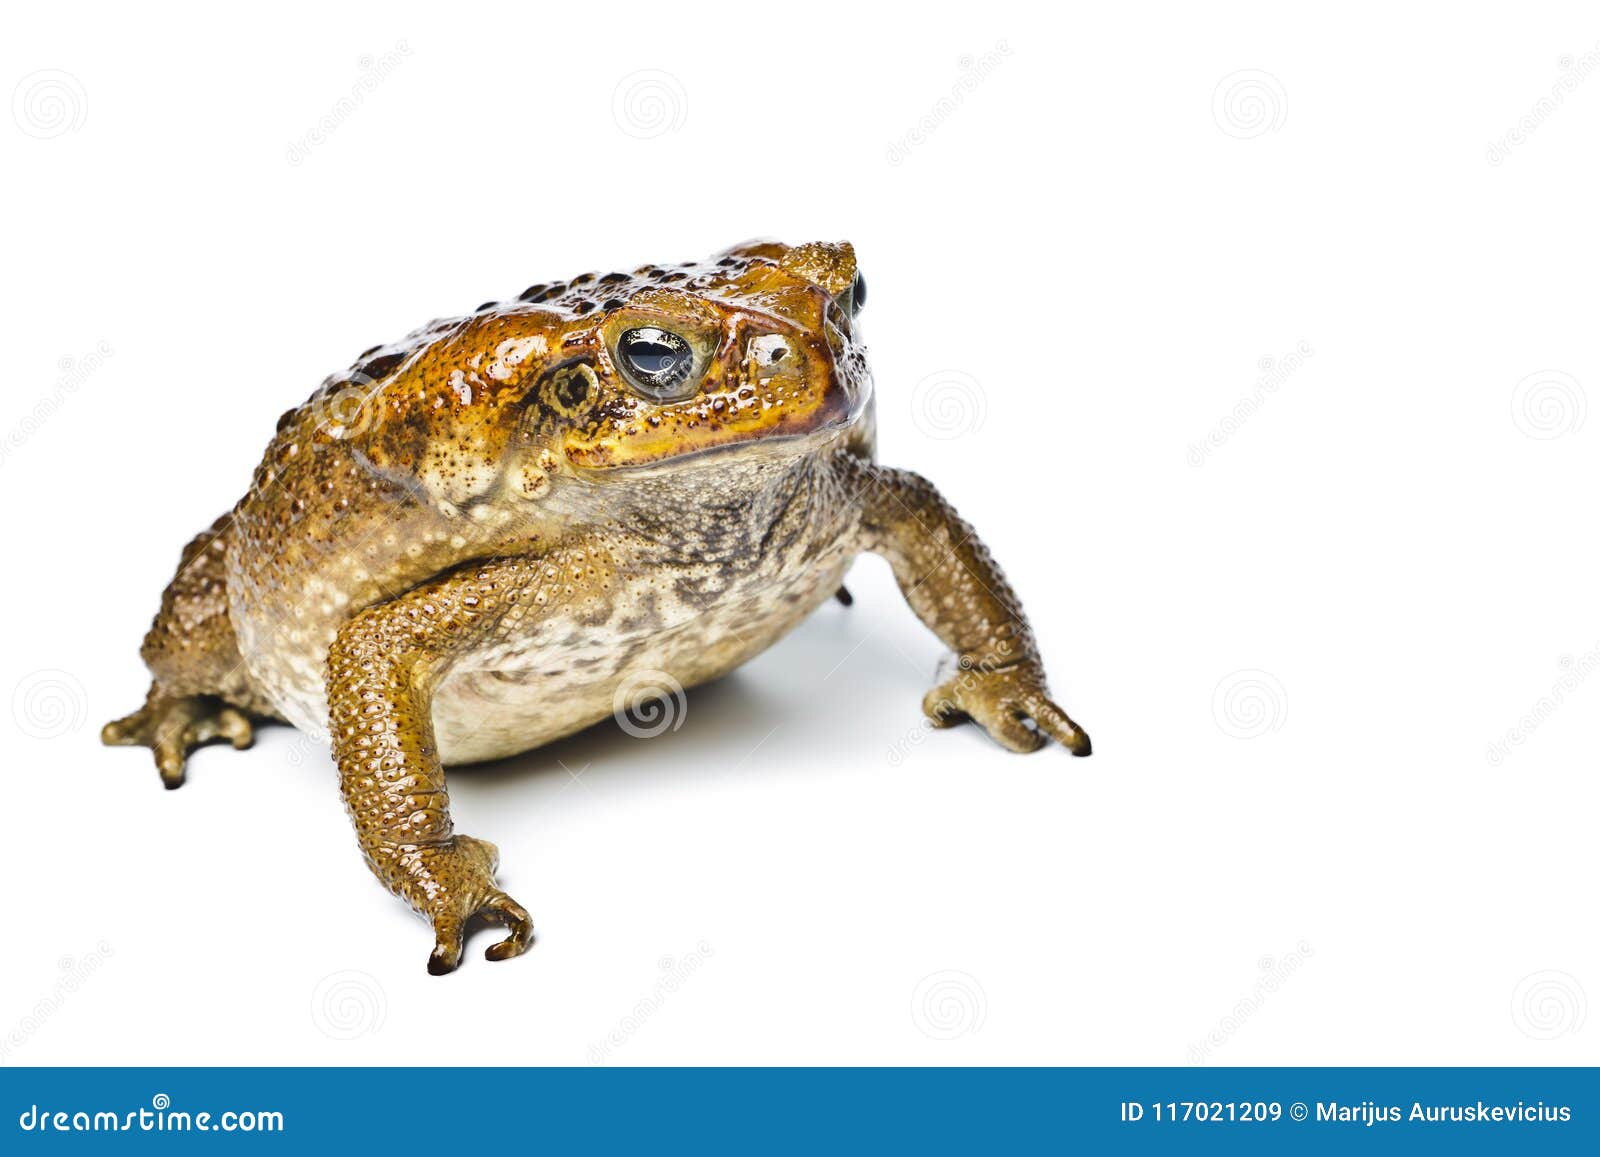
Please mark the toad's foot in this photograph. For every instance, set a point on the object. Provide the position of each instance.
(452, 884)
(172, 727)
(1002, 701)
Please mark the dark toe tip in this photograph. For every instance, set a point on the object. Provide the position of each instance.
(439, 966)
(508, 949)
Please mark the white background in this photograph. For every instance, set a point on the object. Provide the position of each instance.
(1086, 263)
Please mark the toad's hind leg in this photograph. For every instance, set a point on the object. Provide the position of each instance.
(172, 727)
(201, 690)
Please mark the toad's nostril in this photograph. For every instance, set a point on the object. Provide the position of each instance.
(768, 350)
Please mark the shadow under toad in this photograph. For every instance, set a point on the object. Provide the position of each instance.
(830, 667)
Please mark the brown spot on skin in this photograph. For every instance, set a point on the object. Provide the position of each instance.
(380, 367)
(534, 483)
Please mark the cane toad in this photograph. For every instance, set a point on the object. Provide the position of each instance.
(491, 533)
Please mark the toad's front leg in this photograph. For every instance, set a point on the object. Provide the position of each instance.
(959, 592)
(382, 671)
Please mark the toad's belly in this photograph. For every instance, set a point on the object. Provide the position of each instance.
(522, 694)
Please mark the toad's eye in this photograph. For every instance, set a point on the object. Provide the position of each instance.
(852, 298)
(656, 362)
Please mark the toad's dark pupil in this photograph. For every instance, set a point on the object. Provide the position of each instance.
(858, 292)
(658, 359)
(652, 357)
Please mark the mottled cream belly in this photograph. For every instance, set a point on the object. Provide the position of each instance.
(519, 695)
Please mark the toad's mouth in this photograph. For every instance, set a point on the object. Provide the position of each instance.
(771, 447)
(725, 427)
